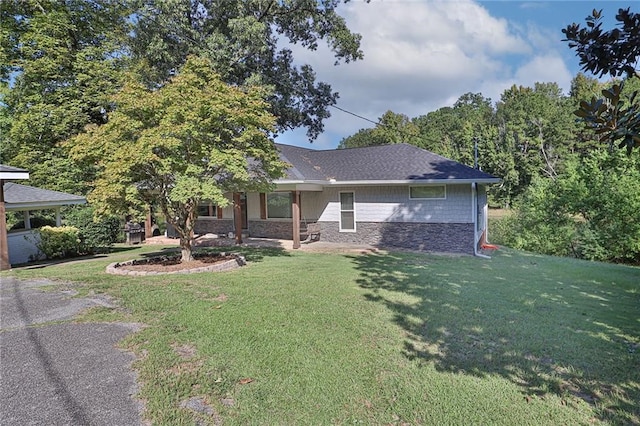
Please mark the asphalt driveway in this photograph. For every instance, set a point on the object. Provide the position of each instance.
(56, 372)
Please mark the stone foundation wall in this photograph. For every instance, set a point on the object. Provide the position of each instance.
(433, 237)
(217, 226)
(271, 229)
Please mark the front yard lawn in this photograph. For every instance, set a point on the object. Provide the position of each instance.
(398, 338)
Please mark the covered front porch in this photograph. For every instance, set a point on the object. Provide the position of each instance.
(276, 215)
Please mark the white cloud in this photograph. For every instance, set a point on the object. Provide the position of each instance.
(423, 55)
(544, 68)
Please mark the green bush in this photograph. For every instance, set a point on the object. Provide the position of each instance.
(500, 230)
(60, 242)
(590, 211)
(95, 235)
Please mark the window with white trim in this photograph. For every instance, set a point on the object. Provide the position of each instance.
(432, 192)
(279, 205)
(347, 211)
(207, 209)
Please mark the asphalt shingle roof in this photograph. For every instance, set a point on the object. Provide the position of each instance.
(397, 162)
(5, 168)
(14, 193)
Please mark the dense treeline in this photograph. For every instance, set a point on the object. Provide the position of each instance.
(530, 132)
(571, 194)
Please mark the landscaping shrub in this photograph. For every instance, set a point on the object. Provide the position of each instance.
(95, 235)
(500, 229)
(58, 242)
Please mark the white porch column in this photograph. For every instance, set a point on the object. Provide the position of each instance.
(295, 212)
(58, 218)
(27, 221)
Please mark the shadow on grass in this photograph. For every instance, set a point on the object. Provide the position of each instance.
(40, 264)
(549, 325)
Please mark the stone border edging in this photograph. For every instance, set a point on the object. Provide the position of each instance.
(119, 268)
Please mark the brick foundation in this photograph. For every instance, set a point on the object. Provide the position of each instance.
(433, 237)
(218, 226)
(271, 229)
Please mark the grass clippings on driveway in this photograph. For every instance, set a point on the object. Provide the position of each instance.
(397, 338)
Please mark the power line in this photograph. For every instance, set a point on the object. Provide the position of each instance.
(356, 115)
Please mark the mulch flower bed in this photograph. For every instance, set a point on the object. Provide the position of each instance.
(203, 262)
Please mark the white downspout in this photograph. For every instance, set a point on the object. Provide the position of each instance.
(474, 198)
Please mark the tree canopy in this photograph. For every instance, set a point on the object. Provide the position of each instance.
(615, 116)
(250, 41)
(391, 128)
(61, 60)
(194, 139)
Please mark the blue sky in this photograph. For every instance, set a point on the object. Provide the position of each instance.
(421, 55)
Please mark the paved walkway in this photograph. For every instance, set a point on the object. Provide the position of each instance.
(56, 372)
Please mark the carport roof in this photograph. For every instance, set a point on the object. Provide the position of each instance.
(23, 197)
(8, 172)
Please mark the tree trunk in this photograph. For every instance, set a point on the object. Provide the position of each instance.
(186, 249)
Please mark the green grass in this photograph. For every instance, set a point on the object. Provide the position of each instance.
(381, 338)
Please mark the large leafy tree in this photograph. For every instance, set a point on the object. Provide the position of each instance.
(249, 41)
(58, 64)
(61, 60)
(391, 128)
(537, 124)
(454, 131)
(194, 139)
(616, 115)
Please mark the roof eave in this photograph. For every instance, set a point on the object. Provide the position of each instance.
(21, 175)
(391, 182)
(42, 205)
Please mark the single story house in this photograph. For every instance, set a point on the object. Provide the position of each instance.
(20, 245)
(396, 195)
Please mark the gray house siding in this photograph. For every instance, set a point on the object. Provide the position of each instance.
(393, 204)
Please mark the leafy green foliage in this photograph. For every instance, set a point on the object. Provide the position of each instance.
(196, 138)
(58, 242)
(616, 119)
(391, 128)
(609, 206)
(36, 220)
(246, 42)
(590, 211)
(611, 52)
(63, 59)
(541, 223)
(453, 131)
(95, 235)
(60, 62)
